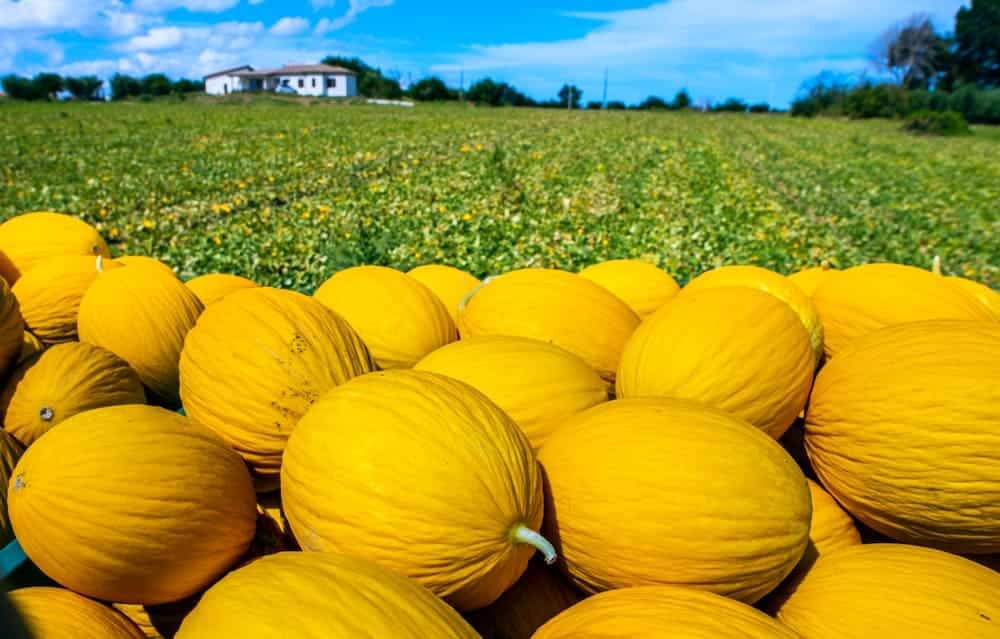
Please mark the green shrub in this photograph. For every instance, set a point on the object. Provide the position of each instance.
(948, 123)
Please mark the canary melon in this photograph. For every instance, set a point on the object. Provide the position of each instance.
(809, 279)
(641, 285)
(986, 295)
(10, 452)
(643, 494)
(770, 282)
(539, 595)
(399, 318)
(8, 271)
(536, 383)
(450, 284)
(56, 613)
(256, 361)
(161, 621)
(30, 347)
(65, 380)
(319, 596)
(736, 348)
(902, 430)
(141, 315)
(11, 329)
(150, 508)
(147, 262)
(862, 299)
(427, 450)
(553, 306)
(50, 294)
(894, 590)
(213, 287)
(29, 238)
(662, 612)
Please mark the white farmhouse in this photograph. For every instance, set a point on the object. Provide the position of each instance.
(302, 79)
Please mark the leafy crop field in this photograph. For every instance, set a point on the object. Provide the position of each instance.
(288, 193)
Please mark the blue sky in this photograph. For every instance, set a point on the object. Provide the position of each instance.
(754, 49)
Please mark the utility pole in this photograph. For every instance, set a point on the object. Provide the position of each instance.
(461, 86)
(604, 97)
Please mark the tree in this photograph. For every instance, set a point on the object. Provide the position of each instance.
(124, 86)
(371, 81)
(47, 84)
(977, 43)
(354, 64)
(732, 105)
(486, 91)
(760, 107)
(912, 51)
(20, 88)
(569, 96)
(188, 86)
(654, 103)
(616, 105)
(155, 84)
(84, 87)
(431, 89)
(681, 101)
(594, 105)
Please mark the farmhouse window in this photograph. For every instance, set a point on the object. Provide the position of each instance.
(331, 83)
(302, 83)
(314, 82)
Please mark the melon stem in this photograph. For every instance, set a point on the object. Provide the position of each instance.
(100, 263)
(468, 296)
(524, 535)
(936, 265)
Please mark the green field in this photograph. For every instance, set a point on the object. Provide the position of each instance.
(288, 193)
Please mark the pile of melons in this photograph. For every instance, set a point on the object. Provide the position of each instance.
(540, 454)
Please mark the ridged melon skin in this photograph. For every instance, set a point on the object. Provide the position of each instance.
(895, 590)
(810, 279)
(450, 284)
(319, 596)
(213, 287)
(420, 473)
(400, 319)
(10, 451)
(538, 384)
(902, 430)
(770, 282)
(554, 306)
(65, 380)
(641, 285)
(986, 295)
(672, 492)
(152, 508)
(29, 238)
(11, 329)
(144, 261)
(30, 347)
(863, 299)
(539, 595)
(736, 348)
(56, 613)
(254, 363)
(50, 294)
(141, 315)
(662, 612)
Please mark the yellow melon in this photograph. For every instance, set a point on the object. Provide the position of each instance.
(319, 596)
(65, 380)
(55, 613)
(986, 295)
(894, 590)
(450, 284)
(30, 347)
(147, 262)
(770, 282)
(8, 271)
(862, 299)
(739, 349)
(536, 383)
(809, 279)
(399, 318)
(213, 287)
(31, 237)
(150, 508)
(270, 505)
(902, 430)
(141, 315)
(256, 360)
(539, 595)
(643, 494)
(50, 294)
(160, 621)
(641, 285)
(10, 452)
(11, 329)
(553, 306)
(662, 612)
(427, 450)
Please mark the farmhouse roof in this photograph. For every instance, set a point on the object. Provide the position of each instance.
(294, 69)
(245, 67)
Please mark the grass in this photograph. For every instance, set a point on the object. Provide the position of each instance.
(288, 193)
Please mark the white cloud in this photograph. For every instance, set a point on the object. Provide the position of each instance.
(156, 39)
(223, 35)
(198, 6)
(11, 46)
(356, 8)
(289, 26)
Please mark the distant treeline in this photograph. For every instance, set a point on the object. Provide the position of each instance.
(47, 86)
(868, 100)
